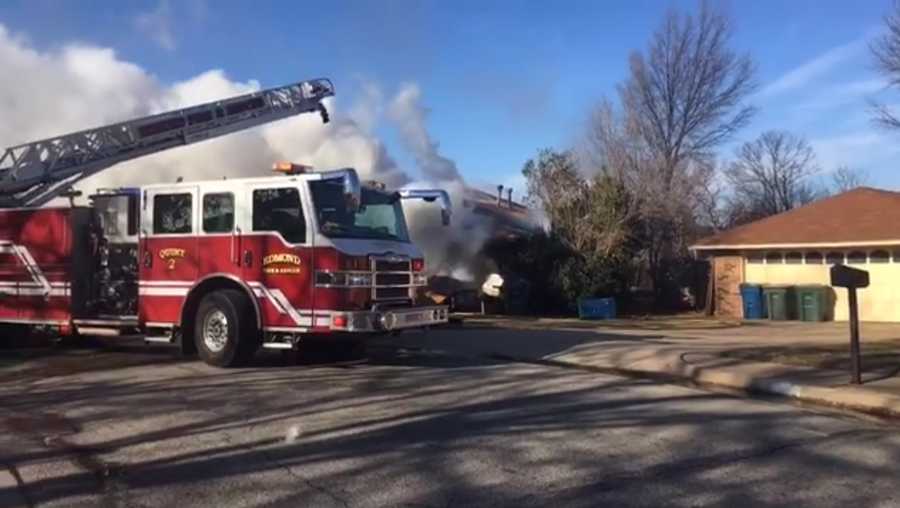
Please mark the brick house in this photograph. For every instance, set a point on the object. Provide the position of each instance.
(858, 228)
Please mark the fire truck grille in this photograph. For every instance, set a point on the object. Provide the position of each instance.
(391, 293)
(391, 279)
(383, 265)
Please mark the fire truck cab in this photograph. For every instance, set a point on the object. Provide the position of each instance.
(219, 267)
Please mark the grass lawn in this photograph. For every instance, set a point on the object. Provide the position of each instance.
(684, 321)
(876, 355)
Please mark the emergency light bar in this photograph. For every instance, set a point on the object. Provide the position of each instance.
(290, 168)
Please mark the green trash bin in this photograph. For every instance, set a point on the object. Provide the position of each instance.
(779, 302)
(811, 302)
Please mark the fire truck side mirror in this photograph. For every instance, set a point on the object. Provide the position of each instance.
(446, 209)
(350, 187)
(429, 195)
(352, 191)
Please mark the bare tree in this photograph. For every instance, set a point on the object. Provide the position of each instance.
(712, 192)
(772, 175)
(886, 50)
(846, 178)
(610, 147)
(684, 97)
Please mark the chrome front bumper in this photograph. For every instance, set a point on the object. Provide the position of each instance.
(387, 320)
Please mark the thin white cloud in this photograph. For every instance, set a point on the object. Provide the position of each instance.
(841, 94)
(157, 24)
(865, 148)
(804, 74)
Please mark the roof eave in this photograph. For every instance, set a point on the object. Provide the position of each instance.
(810, 245)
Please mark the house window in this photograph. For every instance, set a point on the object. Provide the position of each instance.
(774, 258)
(755, 258)
(856, 258)
(897, 256)
(835, 258)
(793, 258)
(880, 256)
(814, 258)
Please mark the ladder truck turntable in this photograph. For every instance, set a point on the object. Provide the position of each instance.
(219, 268)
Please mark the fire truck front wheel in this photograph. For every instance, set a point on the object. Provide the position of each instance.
(224, 333)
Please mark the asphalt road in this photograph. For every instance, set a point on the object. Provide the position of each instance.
(400, 427)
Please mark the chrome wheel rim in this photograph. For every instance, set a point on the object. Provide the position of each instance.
(215, 331)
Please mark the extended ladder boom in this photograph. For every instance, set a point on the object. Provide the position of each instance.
(34, 173)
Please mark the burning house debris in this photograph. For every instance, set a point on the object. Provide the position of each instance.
(469, 282)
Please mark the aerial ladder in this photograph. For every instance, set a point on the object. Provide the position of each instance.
(34, 173)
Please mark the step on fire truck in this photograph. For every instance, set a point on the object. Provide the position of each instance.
(219, 268)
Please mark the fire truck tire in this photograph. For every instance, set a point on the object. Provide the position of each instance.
(224, 333)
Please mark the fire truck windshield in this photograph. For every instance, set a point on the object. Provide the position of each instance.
(380, 215)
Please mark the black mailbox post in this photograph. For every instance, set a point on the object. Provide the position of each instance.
(852, 279)
(846, 277)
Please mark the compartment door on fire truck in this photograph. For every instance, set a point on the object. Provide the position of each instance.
(168, 251)
(277, 254)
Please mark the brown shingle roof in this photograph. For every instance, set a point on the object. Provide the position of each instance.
(862, 215)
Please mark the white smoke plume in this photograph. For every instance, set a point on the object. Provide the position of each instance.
(455, 251)
(77, 86)
(410, 117)
(341, 143)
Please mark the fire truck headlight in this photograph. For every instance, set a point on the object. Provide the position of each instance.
(359, 279)
(387, 321)
(419, 279)
(343, 279)
(330, 279)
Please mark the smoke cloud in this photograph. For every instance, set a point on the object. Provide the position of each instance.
(78, 86)
(453, 251)
(410, 117)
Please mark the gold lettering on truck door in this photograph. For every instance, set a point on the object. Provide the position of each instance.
(281, 263)
(170, 256)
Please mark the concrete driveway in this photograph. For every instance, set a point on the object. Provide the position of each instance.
(803, 361)
(821, 346)
(413, 427)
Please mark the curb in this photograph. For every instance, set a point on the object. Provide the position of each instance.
(851, 398)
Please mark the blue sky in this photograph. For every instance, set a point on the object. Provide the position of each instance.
(501, 79)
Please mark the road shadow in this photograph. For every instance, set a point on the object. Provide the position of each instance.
(412, 425)
(110, 354)
(522, 343)
(381, 352)
(416, 434)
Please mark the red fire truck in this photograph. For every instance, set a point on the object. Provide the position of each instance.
(219, 268)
